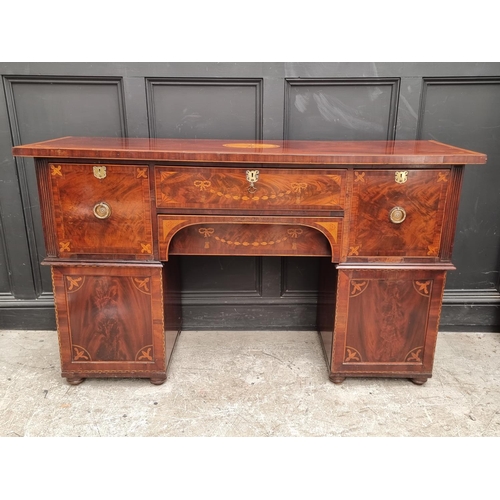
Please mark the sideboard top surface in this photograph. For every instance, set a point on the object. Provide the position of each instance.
(288, 152)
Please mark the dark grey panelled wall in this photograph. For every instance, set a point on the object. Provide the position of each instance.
(457, 103)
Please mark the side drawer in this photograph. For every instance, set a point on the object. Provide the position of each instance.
(102, 210)
(249, 188)
(397, 213)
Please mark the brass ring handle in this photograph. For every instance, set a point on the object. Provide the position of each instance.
(397, 215)
(102, 210)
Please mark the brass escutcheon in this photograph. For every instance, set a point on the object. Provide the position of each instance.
(99, 171)
(397, 215)
(102, 210)
(252, 178)
(401, 177)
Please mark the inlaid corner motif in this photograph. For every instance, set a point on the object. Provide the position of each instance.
(142, 173)
(423, 287)
(432, 250)
(351, 355)
(415, 355)
(358, 287)
(56, 170)
(166, 199)
(74, 283)
(142, 284)
(80, 353)
(354, 250)
(442, 177)
(165, 175)
(360, 176)
(168, 225)
(64, 246)
(145, 353)
(336, 178)
(332, 229)
(145, 247)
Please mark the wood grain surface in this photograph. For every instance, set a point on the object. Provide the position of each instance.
(76, 191)
(386, 322)
(228, 188)
(111, 320)
(247, 235)
(422, 197)
(209, 150)
(378, 310)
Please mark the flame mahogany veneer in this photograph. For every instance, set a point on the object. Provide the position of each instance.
(117, 212)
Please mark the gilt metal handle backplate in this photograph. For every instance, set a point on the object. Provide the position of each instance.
(252, 178)
(102, 210)
(397, 215)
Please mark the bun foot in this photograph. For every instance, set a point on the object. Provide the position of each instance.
(337, 379)
(74, 380)
(419, 380)
(157, 381)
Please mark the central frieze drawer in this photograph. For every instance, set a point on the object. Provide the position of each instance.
(244, 235)
(248, 235)
(249, 189)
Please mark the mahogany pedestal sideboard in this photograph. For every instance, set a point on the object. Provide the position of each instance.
(118, 211)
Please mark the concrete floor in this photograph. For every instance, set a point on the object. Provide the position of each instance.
(250, 384)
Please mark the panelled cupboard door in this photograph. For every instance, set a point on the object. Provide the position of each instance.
(102, 210)
(397, 213)
(110, 321)
(386, 322)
